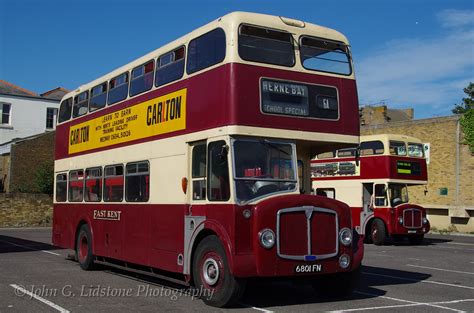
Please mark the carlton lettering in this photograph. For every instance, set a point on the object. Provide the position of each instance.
(79, 135)
(164, 111)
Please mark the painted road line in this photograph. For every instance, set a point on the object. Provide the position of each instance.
(453, 301)
(419, 280)
(377, 308)
(440, 269)
(29, 248)
(255, 308)
(20, 291)
(460, 243)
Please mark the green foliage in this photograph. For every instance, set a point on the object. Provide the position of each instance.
(468, 102)
(44, 178)
(467, 125)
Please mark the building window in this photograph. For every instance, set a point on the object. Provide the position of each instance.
(6, 113)
(51, 114)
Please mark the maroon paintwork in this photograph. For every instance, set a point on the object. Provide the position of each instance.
(153, 234)
(383, 167)
(212, 103)
(378, 167)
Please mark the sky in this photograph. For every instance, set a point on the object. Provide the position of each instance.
(407, 53)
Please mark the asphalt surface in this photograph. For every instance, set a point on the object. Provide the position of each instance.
(437, 276)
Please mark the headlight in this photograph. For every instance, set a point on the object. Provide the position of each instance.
(267, 238)
(425, 221)
(344, 261)
(345, 236)
(400, 220)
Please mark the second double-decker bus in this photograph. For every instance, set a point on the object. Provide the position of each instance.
(191, 162)
(373, 179)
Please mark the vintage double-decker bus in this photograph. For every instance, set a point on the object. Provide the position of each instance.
(372, 179)
(192, 162)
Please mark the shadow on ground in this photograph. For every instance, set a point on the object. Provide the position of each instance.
(10, 244)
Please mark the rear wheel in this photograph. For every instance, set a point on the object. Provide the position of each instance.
(416, 239)
(378, 232)
(84, 248)
(212, 276)
(337, 285)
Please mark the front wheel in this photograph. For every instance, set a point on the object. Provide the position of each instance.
(416, 239)
(337, 285)
(84, 248)
(378, 232)
(212, 275)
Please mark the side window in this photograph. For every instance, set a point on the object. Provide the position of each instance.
(199, 171)
(326, 192)
(137, 182)
(61, 188)
(218, 186)
(266, 45)
(327, 155)
(170, 67)
(415, 150)
(113, 183)
(344, 153)
(93, 188)
(76, 186)
(397, 148)
(207, 50)
(371, 147)
(118, 88)
(65, 110)
(142, 78)
(380, 195)
(98, 97)
(81, 102)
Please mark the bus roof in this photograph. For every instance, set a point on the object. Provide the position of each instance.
(226, 22)
(388, 137)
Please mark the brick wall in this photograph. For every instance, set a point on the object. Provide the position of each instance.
(20, 210)
(26, 158)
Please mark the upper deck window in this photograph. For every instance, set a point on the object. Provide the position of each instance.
(81, 102)
(98, 97)
(206, 50)
(118, 88)
(344, 153)
(170, 67)
(142, 78)
(326, 155)
(398, 148)
(65, 110)
(325, 56)
(265, 45)
(371, 147)
(415, 150)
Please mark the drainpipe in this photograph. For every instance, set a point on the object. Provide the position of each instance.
(458, 133)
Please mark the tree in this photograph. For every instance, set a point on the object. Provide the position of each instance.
(467, 118)
(468, 103)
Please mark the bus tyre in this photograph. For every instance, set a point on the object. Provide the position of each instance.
(217, 286)
(416, 239)
(339, 285)
(378, 232)
(84, 248)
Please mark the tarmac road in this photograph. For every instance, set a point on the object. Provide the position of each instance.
(437, 276)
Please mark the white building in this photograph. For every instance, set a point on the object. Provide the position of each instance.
(24, 113)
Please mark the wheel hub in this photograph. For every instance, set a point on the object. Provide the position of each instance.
(211, 271)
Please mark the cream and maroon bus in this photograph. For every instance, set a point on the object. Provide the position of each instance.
(191, 163)
(372, 179)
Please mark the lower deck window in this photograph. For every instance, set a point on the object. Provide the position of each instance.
(113, 183)
(93, 187)
(76, 186)
(61, 188)
(137, 182)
